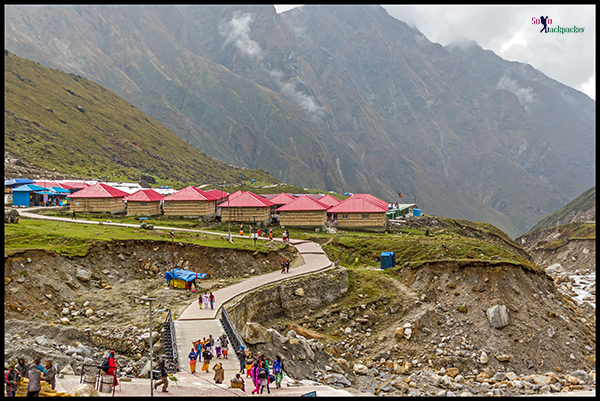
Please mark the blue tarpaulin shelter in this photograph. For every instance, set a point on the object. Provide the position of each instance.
(22, 194)
(182, 277)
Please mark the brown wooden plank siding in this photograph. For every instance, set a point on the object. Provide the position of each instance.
(303, 218)
(188, 208)
(135, 208)
(100, 205)
(246, 214)
(357, 220)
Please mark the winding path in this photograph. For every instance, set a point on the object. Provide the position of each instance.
(195, 323)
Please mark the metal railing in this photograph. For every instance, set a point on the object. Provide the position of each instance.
(170, 342)
(230, 330)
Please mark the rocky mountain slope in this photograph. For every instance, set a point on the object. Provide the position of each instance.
(342, 98)
(567, 237)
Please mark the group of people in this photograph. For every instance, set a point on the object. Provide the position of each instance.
(35, 372)
(285, 266)
(205, 350)
(205, 299)
(266, 233)
(257, 368)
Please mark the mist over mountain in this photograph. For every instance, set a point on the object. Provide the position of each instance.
(343, 98)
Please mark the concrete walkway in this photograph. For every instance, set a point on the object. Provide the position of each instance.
(195, 323)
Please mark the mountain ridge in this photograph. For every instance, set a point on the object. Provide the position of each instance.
(370, 105)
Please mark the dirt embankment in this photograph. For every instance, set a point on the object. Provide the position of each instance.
(445, 307)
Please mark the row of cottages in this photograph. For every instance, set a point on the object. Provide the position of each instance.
(246, 207)
(303, 211)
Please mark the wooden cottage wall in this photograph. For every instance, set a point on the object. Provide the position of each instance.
(303, 218)
(245, 214)
(188, 208)
(99, 205)
(357, 220)
(135, 208)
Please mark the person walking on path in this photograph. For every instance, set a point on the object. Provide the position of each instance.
(241, 229)
(218, 348)
(205, 300)
(278, 370)
(164, 376)
(219, 373)
(263, 376)
(74, 217)
(193, 356)
(50, 374)
(207, 356)
(283, 236)
(200, 300)
(254, 375)
(12, 379)
(112, 368)
(34, 375)
(282, 266)
(287, 266)
(21, 367)
(211, 343)
(242, 357)
(271, 234)
(250, 359)
(211, 299)
(224, 345)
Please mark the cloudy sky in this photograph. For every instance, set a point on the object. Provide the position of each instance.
(510, 32)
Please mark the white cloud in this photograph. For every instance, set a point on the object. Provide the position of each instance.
(525, 95)
(509, 32)
(238, 31)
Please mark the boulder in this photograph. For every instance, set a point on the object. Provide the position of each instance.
(360, 369)
(299, 292)
(83, 275)
(146, 337)
(43, 341)
(84, 390)
(503, 357)
(582, 375)
(67, 370)
(452, 372)
(304, 332)
(498, 316)
(254, 333)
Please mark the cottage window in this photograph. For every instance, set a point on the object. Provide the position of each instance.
(344, 216)
(258, 209)
(283, 213)
(319, 213)
(142, 203)
(167, 204)
(106, 200)
(365, 216)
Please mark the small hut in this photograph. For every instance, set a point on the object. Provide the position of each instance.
(100, 197)
(24, 195)
(189, 202)
(145, 202)
(303, 212)
(183, 278)
(360, 211)
(246, 207)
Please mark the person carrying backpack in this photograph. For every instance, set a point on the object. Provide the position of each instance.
(112, 368)
(207, 355)
(193, 356)
(164, 374)
(263, 376)
(278, 371)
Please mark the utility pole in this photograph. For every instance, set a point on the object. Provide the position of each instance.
(149, 302)
(173, 258)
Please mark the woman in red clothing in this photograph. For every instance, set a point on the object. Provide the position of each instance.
(112, 368)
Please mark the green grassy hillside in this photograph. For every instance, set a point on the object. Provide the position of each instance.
(68, 123)
(581, 204)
